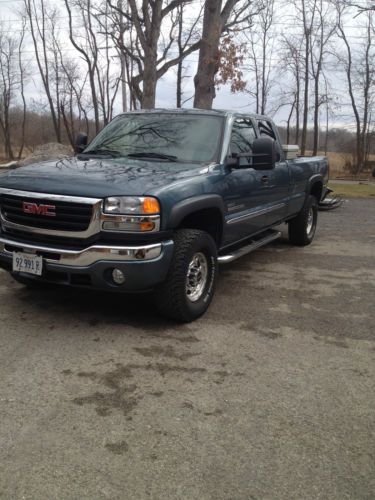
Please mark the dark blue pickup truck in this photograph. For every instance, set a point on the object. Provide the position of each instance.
(155, 202)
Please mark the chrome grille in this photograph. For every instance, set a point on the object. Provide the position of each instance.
(69, 216)
(51, 215)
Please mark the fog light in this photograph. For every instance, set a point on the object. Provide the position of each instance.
(118, 276)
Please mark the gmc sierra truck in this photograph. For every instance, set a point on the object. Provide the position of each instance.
(155, 202)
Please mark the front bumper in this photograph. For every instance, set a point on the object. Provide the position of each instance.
(143, 266)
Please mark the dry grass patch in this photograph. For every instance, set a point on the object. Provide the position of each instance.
(360, 190)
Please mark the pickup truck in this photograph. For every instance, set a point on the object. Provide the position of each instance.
(155, 202)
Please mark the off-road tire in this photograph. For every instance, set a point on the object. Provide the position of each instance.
(300, 233)
(171, 297)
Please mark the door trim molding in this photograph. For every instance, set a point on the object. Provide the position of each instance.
(256, 213)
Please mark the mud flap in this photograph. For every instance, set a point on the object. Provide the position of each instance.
(330, 201)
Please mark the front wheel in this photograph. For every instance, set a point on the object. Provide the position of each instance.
(302, 227)
(190, 284)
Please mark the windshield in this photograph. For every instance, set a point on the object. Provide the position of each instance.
(168, 137)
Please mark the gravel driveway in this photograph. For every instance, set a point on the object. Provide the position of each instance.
(269, 396)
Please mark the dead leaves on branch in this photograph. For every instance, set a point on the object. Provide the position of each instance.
(229, 61)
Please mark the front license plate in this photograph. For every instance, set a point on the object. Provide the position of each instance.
(27, 263)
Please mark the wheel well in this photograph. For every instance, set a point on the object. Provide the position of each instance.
(207, 219)
(317, 190)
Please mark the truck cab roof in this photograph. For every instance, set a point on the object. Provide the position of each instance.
(196, 111)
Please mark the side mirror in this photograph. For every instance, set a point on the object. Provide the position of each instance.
(264, 153)
(80, 142)
(233, 161)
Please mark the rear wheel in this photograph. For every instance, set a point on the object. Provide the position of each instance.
(302, 227)
(190, 284)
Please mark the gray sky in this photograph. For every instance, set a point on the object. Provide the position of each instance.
(285, 22)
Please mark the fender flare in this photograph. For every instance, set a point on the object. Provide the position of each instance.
(315, 179)
(191, 205)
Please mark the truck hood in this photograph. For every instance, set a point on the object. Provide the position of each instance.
(99, 177)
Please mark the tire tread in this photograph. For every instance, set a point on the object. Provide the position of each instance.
(297, 226)
(169, 299)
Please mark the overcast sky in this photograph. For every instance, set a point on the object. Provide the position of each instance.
(225, 99)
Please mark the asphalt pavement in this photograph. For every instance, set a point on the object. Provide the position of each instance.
(271, 395)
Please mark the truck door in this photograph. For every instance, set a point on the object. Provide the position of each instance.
(245, 196)
(274, 184)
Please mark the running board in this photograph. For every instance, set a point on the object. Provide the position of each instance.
(256, 243)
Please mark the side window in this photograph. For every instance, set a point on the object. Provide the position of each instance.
(243, 135)
(265, 129)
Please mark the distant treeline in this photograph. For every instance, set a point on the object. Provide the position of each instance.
(39, 130)
(311, 61)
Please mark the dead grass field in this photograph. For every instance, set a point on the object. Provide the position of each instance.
(337, 165)
(354, 190)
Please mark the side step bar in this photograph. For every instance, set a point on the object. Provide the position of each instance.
(262, 240)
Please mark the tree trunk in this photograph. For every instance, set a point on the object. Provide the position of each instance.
(149, 81)
(305, 97)
(264, 88)
(316, 112)
(298, 105)
(7, 136)
(204, 80)
(289, 120)
(68, 130)
(179, 86)
(179, 64)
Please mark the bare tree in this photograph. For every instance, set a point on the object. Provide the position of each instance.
(304, 55)
(307, 10)
(88, 49)
(42, 21)
(359, 67)
(360, 8)
(90, 37)
(292, 60)
(152, 23)
(12, 83)
(323, 32)
(108, 84)
(118, 27)
(185, 36)
(123, 57)
(7, 88)
(261, 44)
(22, 80)
(72, 106)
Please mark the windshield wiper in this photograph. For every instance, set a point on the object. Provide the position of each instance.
(101, 151)
(145, 154)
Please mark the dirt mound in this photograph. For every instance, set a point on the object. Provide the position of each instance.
(45, 152)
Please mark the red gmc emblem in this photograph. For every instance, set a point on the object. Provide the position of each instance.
(39, 209)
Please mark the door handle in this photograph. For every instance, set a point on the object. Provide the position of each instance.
(264, 179)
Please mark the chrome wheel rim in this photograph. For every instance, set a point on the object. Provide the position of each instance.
(310, 222)
(196, 278)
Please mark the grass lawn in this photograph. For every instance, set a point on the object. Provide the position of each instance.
(354, 190)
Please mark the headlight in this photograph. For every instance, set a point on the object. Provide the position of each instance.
(131, 214)
(131, 205)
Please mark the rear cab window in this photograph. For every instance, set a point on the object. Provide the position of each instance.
(242, 137)
(267, 129)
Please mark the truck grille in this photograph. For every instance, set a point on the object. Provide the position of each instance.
(69, 216)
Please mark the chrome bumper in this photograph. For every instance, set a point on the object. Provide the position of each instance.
(88, 256)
